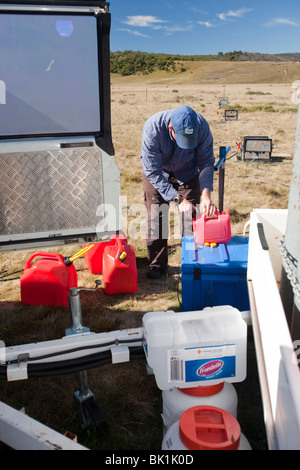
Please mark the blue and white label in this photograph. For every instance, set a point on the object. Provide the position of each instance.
(202, 363)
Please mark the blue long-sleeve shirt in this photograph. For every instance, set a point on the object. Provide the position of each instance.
(161, 156)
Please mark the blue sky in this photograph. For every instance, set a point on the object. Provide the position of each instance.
(205, 26)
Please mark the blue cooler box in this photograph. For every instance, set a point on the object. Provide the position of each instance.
(214, 276)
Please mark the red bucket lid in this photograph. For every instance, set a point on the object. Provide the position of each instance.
(203, 390)
(209, 428)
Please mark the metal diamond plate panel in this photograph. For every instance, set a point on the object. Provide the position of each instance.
(50, 191)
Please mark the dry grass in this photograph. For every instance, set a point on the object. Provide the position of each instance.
(129, 397)
(248, 185)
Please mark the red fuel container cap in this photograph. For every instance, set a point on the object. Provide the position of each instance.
(209, 428)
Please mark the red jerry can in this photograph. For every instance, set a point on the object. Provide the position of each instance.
(119, 268)
(215, 229)
(48, 280)
(94, 257)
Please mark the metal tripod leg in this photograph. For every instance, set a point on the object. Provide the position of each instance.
(82, 395)
(90, 411)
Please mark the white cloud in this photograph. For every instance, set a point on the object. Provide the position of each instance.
(135, 33)
(280, 21)
(233, 14)
(154, 23)
(195, 9)
(208, 24)
(178, 29)
(143, 21)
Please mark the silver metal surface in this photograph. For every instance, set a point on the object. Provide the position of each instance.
(50, 191)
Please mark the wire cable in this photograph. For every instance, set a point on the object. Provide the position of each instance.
(80, 348)
(71, 366)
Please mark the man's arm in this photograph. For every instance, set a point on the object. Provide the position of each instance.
(153, 167)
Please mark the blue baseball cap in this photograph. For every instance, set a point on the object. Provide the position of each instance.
(186, 127)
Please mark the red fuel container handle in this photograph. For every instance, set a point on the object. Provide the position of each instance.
(42, 253)
(120, 250)
(215, 216)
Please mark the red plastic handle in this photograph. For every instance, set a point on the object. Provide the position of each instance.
(121, 235)
(41, 253)
(120, 245)
(215, 216)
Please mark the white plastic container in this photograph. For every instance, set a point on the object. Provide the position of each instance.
(176, 401)
(187, 349)
(205, 428)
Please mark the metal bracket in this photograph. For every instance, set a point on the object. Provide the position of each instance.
(18, 371)
(120, 353)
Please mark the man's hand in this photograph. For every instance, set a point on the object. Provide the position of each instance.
(206, 203)
(186, 207)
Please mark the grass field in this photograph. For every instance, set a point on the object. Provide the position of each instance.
(128, 396)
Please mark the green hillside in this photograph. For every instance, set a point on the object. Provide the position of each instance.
(132, 62)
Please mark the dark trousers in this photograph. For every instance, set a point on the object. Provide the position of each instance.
(157, 210)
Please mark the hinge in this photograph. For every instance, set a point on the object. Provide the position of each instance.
(96, 11)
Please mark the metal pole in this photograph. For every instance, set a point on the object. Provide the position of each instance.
(220, 165)
(90, 411)
(221, 186)
(75, 309)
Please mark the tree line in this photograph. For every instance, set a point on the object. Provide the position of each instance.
(137, 62)
(130, 62)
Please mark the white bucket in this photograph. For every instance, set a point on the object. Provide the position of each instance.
(205, 428)
(187, 349)
(176, 401)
